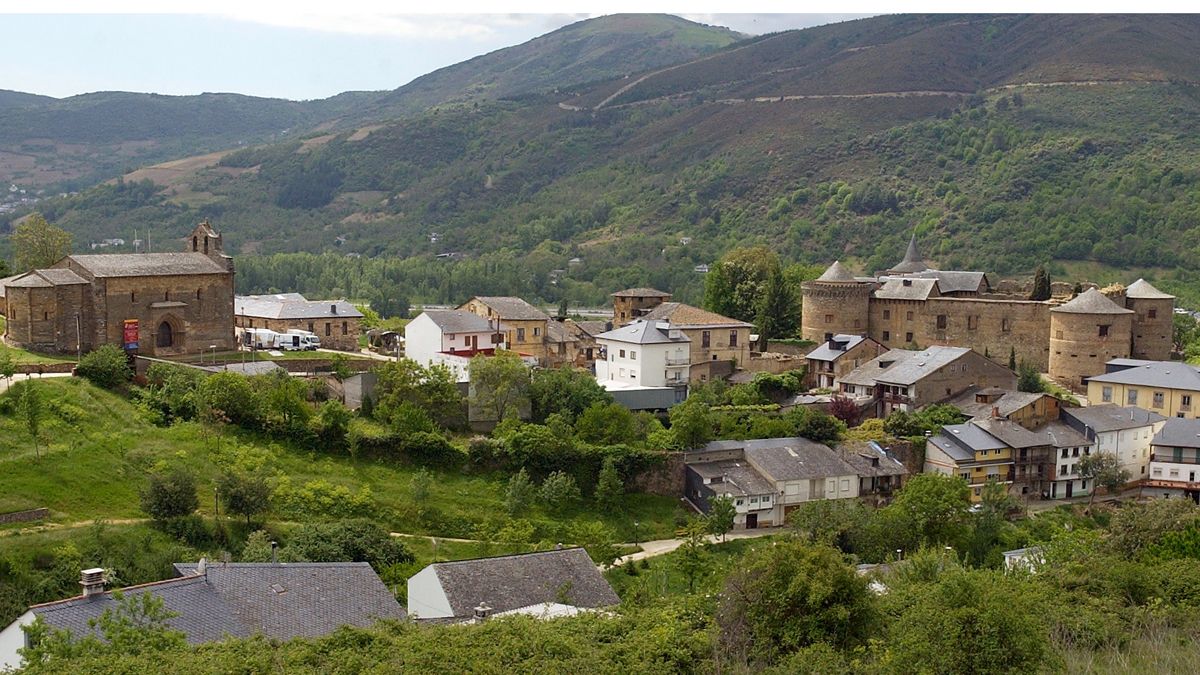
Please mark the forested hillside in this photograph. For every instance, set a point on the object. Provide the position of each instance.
(1006, 142)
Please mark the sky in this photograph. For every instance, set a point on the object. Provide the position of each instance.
(262, 51)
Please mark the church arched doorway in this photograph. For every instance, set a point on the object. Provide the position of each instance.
(165, 336)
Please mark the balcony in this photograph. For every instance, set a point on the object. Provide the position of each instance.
(1170, 459)
(677, 361)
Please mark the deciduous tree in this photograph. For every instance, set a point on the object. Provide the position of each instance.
(1104, 470)
(39, 244)
(170, 494)
(721, 514)
(499, 385)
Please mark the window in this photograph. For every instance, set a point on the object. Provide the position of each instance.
(828, 318)
(908, 316)
(941, 322)
(633, 374)
(887, 314)
(1083, 484)
(622, 353)
(1064, 470)
(633, 355)
(537, 331)
(310, 327)
(166, 296)
(328, 329)
(1185, 399)
(1103, 330)
(1174, 473)
(705, 339)
(972, 322)
(133, 296)
(1131, 397)
(1156, 472)
(965, 475)
(1064, 453)
(1153, 313)
(198, 293)
(1106, 394)
(1006, 324)
(740, 502)
(1058, 335)
(908, 337)
(845, 483)
(887, 335)
(1158, 399)
(1074, 452)
(733, 338)
(521, 337)
(345, 328)
(754, 500)
(622, 372)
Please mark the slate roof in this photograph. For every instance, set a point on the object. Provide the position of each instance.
(147, 264)
(1109, 417)
(1009, 402)
(686, 316)
(836, 272)
(913, 262)
(970, 437)
(1063, 436)
(827, 353)
(592, 328)
(292, 306)
(956, 451)
(1178, 433)
(1091, 301)
(61, 277)
(783, 459)
(642, 333)
(907, 288)
(513, 309)
(641, 293)
(868, 372)
(558, 331)
(458, 321)
(27, 280)
(288, 600)
(860, 455)
(514, 581)
(1164, 374)
(954, 281)
(921, 364)
(1012, 434)
(739, 478)
(1142, 289)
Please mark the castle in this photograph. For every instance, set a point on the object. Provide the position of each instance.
(1071, 338)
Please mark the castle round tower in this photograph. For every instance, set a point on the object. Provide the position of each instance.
(834, 303)
(1086, 333)
(1153, 321)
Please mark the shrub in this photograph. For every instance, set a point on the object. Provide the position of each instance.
(356, 540)
(559, 490)
(320, 498)
(431, 448)
(106, 367)
(170, 495)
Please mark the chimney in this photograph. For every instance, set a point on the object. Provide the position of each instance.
(274, 553)
(202, 567)
(92, 581)
(332, 308)
(482, 612)
(995, 412)
(928, 433)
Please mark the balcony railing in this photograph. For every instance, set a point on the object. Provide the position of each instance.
(1168, 459)
(677, 361)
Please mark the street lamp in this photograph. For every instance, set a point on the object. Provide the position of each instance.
(214, 355)
(635, 532)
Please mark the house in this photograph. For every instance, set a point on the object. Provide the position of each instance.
(523, 325)
(1028, 559)
(718, 343)
(1124, 432)
(1169, 388)
(966, 450)
(336, 322)
(644, 353)
(837, 356)
(585, 334)
(1175, 461)
(213, 602)
(879, 472)
(451, 338)
(632, 304)
(767, 477)
(155, 304)
(1030, 410)
(1032, 452)
(526, 582)
(909, 380)
(562, 343)
(1069, 447)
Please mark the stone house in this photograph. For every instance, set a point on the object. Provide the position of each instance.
(715, 339)
(907, 380)
(632, 304)
(837, 356)
(523, 325)
(157, 304)
(1030, 410)
(336, 322)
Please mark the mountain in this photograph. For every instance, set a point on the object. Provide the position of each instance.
(19, 99)
(1004, 141)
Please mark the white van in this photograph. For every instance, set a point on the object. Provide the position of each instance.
(301, 339)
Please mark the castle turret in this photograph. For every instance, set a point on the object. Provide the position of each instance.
(834, 303)
(1086, 333)
(1153, 321)
(913, 262)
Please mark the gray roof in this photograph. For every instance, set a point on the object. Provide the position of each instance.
(641, 293)
(957, 451)
(971, 437)
(913, 262)
(868, 372)
(844, 344)
(593, 328)
(921, 364)
(954, 281)
(1014, 435)
(514, 581)
(1178, 433)
(27, 280)
(1009, 402)
(907, 288)
(292, 306)
(1102, 418)
(643, 333)
(738, 477)
(458, 321)
(558, 331)
(1164, 374)
(1063, 436)
(288, 600)
(249, 368)
(204, 615)
(147, 264)
(837, 272)
(869, 459)
(1142, 289)
(782, 459)
(61, 277)
(513, 309)
(1091, 301)
(682, 315)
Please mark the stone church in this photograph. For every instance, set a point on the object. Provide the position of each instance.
(156, 304)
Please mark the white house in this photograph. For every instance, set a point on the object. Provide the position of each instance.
(450, 337)
(1175, 460)
(1124, 432)
(643, 354)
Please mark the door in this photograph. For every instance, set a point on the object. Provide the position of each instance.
(1070, 490)
(751, 521)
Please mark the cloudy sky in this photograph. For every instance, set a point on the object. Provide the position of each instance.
(267, 52)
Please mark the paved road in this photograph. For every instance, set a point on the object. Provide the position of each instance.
(19, 377)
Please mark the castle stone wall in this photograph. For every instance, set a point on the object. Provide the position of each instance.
(1077, 348)
(833, 308)
(1153, 327)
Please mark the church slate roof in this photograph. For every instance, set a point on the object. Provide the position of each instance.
(147, 264)
(61, 277)
(1091, 301)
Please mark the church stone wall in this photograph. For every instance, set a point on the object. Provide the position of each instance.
(199, 309)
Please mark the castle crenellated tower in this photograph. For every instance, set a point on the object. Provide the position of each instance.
(835, 303)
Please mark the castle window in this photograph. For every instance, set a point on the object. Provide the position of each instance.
(908, 337)
(1153, 313)
(972, 322)
(887, 335)
(941, 321)
(133, 296)
(887, 314)
(828, 318)
(345, 328)
(45, 316)
(1103, 330)
(166, 296)
(1005, 325)
(1058, 335)
(908, 316)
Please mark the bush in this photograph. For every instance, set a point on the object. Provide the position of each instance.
(320, 498)
(355, 540)
(106, 367)
(559, 490)
(431, 448)
(171, 494)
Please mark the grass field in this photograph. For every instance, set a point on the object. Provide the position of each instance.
(23, 357)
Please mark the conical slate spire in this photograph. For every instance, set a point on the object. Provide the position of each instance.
(913, 262)
(836, 272)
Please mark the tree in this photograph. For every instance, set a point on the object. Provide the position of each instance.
(499, 385)
(8, 367)
(564, 390)
(434, 390)
(355, 540)
(792, 595)
(37, 244)
(244, 494)
(844, 408)
(519, 492)
(721, 514)
(598, 539)
(734, 285)
(559, 490)
(1041, 285)
(1029, 379)
(691, 424)
(135, 624)
(1104, 470)
(609, 487)
(231, 395)
(829, 521)
(934, 507)
(107, 367)
(693, 551)
(258, 547)
(170, 494)
(606, 423)
(331, 424)
(30, 408)
(778, 312)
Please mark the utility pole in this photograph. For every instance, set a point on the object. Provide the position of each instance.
(78, 339)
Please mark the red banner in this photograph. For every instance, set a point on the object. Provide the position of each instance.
(131, 334)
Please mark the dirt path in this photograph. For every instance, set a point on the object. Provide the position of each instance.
(20, 377)
(658, 547)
